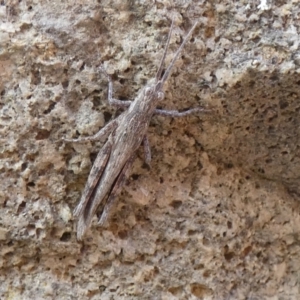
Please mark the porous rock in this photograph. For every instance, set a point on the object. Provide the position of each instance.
(216, 216)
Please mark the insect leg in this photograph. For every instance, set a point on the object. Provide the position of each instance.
(112, 125)
(147, 150)
(176, 113)
(111, 100)
(115, 190)
(93, 179)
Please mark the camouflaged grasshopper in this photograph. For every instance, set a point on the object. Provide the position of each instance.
(126, 133)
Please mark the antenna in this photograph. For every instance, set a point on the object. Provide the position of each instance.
(161, 64)
(168, 71)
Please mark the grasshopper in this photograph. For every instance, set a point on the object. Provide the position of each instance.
(126, 133)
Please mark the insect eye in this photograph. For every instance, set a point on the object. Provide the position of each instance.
(148, 91)
(160, 96)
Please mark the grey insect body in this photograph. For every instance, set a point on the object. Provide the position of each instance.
(126, 133)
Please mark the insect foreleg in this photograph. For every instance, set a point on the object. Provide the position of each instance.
(176, 113)
(115, 190)
(111, 100)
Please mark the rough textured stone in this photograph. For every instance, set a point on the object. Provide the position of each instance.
(217, 215)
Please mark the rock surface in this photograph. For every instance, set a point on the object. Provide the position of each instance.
(217, 215)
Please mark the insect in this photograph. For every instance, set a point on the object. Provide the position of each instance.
(126, 133)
